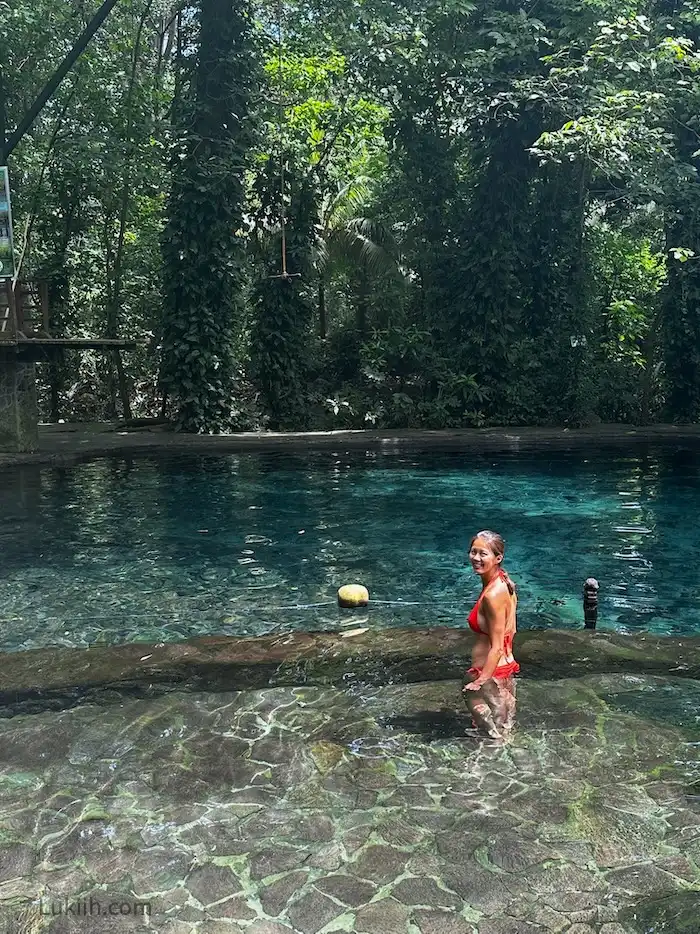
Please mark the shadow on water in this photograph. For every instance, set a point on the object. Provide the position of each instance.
(676, 703)
(677, 914)
(432, 725)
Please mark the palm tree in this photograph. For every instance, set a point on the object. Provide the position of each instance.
(346, 238)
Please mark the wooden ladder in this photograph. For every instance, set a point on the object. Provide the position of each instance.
(24, 310)
(32, 305)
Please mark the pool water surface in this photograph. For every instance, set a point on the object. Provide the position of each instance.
(163, 549)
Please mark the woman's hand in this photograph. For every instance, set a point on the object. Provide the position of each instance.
(474, 685)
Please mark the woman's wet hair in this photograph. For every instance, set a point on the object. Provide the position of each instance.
(498, 547)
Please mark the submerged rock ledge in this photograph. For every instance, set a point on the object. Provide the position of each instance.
(60, 677)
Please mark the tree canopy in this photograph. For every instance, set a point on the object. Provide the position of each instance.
(371, 213)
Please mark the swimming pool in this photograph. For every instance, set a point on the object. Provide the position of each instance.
(163, 549)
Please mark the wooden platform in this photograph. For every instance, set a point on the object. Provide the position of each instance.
(24, 325)
(39, 348)
(78, 343)
(25, 341)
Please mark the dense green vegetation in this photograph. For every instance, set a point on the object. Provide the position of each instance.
(490, 209)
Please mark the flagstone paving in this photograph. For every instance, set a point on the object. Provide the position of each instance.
(361, 808)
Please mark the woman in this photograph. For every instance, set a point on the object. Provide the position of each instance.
(490, 693)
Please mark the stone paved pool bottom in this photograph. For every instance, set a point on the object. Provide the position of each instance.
(357, 807)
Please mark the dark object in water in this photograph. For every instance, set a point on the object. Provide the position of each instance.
(590, 602)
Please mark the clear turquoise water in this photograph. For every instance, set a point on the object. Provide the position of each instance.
(119, 550)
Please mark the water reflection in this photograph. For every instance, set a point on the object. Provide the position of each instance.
(493, 707)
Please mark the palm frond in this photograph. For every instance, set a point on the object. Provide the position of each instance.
(373, 230)
(346, 236)
(364, 242)
(346, 203)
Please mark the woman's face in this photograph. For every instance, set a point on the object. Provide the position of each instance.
(482, 556)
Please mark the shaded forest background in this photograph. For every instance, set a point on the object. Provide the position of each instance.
(491, 209)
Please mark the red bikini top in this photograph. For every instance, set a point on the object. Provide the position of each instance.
(472, 618)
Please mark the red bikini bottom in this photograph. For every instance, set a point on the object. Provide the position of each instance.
(503, 671)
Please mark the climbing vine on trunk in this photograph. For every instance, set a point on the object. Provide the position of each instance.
(283, 315)
(493, 287)
(203, 248)
(559, 310)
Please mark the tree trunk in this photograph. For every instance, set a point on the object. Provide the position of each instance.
(58, 299)
(646, 388)
(322, 328)
(123, 385)
(557, 306)
(681, 322)
(204, 261)
(115, 292)
(362, 303)
(3, 118)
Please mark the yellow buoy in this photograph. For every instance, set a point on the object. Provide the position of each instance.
(352, 595)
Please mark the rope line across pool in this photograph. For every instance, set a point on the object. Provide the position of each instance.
(250, 609)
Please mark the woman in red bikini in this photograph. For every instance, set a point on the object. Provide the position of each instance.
(490, 692)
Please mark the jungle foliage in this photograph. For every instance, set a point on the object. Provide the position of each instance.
(488, 210)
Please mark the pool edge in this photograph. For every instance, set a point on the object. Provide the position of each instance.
(66, 444)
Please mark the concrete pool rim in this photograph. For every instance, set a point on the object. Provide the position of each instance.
(75, 443)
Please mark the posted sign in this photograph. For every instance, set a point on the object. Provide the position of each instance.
(7, 253)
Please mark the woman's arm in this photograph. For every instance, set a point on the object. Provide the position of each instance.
(495, 613)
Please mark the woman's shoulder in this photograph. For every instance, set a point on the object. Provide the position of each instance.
(497, 592)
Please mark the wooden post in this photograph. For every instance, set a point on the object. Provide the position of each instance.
(590, 602)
